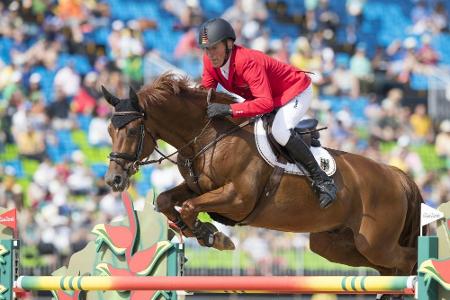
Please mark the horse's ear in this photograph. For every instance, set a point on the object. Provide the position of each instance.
(134, 99)
(113, 100)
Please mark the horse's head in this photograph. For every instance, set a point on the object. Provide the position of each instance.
(128, 132)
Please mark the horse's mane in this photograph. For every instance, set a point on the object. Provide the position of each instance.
(171, 84)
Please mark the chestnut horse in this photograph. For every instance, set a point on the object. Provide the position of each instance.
(374, 221)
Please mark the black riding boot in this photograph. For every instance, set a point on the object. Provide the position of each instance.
(324, 185)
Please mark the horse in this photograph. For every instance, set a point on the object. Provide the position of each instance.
(373, 223)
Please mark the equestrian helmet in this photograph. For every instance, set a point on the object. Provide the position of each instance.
(214, 31)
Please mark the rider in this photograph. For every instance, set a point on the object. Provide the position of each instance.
(265, 84)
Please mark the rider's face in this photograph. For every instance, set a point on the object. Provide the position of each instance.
(216, 54)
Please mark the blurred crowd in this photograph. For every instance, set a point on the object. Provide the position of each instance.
(51, 69)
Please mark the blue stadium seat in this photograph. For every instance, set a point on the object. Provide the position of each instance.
(101, 35)
(16, 165)
(441, 44)
(99, 170)
(5, 47)
(54, 153)
(215, 8)
(65, 142)
(83, 122)
(419, 82)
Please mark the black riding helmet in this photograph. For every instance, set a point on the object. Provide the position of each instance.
(214, 31)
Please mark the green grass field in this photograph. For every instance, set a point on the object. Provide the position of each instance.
(214, 259)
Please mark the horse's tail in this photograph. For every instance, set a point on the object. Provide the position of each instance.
(411, 229)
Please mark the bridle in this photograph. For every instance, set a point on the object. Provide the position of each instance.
(133, 160)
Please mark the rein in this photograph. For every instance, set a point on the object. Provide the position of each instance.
(189, 161)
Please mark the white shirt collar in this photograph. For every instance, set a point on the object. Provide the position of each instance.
(225, 69)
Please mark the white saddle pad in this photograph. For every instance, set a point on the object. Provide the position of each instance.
(322, 156)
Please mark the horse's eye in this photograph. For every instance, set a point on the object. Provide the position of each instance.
(132, 132)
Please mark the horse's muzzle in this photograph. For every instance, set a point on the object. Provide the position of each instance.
(117, 182)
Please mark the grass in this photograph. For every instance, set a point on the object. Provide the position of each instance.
(307, 260)
(10, 153)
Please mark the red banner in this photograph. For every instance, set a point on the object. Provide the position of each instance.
(8, 219)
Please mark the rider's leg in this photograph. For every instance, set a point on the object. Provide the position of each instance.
(286, 118)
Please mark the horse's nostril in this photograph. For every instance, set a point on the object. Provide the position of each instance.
(117, 179)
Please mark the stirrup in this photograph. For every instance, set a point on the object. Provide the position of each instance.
(329, 193)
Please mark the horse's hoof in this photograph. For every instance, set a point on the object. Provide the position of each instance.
(223, 242)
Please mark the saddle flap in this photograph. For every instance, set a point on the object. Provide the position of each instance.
(277, 149)
(267, 148)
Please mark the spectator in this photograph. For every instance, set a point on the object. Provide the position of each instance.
(327, 18)
(439, 18)
(388, 127)
(393, 100)
(187, 46)
(111, 206)
(406, 160)
(355, 10)
(262, 42)
(35, 93)
(31, 144)
(20, 111)
(59, 111)
(84, 101)
(98, 129)
(420, 17)
(421, 125)
(11, 193)
(361, 68)
(80, 181)
(67, 81)
(188, 12)
(409, 61)
(303, 54)
(426, 55)
(45, 173)
(442, 144)
(342, 81)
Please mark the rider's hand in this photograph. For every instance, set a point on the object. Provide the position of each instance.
(218, 110)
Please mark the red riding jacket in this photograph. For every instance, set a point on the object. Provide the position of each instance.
(264, 82)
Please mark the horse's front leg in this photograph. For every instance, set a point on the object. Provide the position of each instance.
(167, 201)
(222, 200)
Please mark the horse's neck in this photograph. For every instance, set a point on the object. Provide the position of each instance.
(190, 141)
(186, 125)
(179, 131)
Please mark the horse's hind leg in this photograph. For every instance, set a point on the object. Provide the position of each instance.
(379, 243)
(167, 201)
(339, 247)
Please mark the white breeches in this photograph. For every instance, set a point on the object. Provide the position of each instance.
(290, 114)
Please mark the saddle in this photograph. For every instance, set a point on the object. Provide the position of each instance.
(307, 129)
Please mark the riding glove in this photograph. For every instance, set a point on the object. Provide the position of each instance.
(219, 110)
